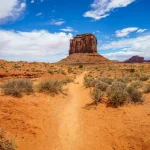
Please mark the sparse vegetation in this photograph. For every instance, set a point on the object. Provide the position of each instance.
(97, 95)
(89, 81)
(81, 66)
(4, 143)
(146, 88)
(70, 70)
(132, 70)
(16, 87)
(50, 71)
(144, 78)
(101, 85)
(137, 84)
(135, 95)
(50, 86)
(117, 94)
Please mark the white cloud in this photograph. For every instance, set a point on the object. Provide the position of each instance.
(125, 32)
(12, 9)
(141, 30)
(128, 47)
(34, 46)
(68, 29)
(38, 14)
(102, 8)
(58, 22)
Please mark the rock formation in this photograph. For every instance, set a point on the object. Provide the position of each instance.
(135, 59)
(83, 43)
(83, 50)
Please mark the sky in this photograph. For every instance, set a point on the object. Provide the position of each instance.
(40, 30)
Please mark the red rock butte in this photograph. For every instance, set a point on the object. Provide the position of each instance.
(83, 43)
(83, 50)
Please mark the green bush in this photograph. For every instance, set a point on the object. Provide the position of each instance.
(101, 85)
(50, 86)
(132, 70)
(96, 95)
(118, 98)
(146, 88)
(135, 95)
(81, 66)
(50, 71)
(117, 94)
(116, 86)
(89, 81)
(70, 70)
(17, 87)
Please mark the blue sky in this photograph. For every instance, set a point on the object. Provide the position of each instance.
(40, 30)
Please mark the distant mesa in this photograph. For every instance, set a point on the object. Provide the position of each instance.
(135, 59)
(83, 43)
(83, 50)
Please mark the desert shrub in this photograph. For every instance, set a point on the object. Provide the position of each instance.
(65, 81)
(17, 87)
(96, 95)
(16, 67)
(117, 94)
(89, 81)
(116, 86)
(81, 66)
(50, 86)
(124, 80)
(63, 72)
(144, 78)
(101, 85)
(6, 144)
(132, 70)
(146, 88)
(50, 71)
(137, 84)
(70, 70)
(135, 95)
(107, 80)
(118, 98)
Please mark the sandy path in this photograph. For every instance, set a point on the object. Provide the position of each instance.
(69, 132)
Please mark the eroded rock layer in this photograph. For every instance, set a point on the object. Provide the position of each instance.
(83, 43)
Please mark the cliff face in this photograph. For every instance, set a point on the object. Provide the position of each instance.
(135, 59)
(83, 43)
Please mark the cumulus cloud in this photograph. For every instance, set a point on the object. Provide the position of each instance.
(128, 47)
(11, 9)
(34, 46)
(58, 22)
(102, 8)
(68, 29)
(125, 32)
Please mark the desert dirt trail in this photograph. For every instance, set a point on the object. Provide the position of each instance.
(70, 125)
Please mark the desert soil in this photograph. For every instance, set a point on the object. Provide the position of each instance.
(70, 122)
